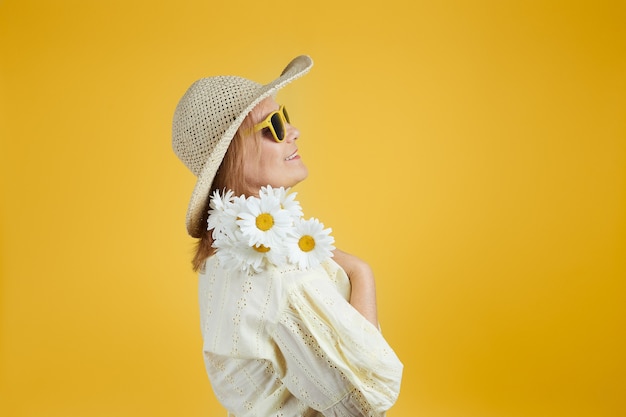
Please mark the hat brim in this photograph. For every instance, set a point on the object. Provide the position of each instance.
(199, 197)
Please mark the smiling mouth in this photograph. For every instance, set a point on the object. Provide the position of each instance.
(292, 156)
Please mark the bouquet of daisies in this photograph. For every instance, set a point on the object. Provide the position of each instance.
(249, 233)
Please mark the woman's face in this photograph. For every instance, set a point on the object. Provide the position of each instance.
(277, 163)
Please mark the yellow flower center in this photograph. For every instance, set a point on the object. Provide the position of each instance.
(264, 221)
(261, 248)
(306, 243)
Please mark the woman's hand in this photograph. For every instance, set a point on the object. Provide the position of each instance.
(363, 294)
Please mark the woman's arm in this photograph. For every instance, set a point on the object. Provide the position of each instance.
(332, 351)
(363, 294)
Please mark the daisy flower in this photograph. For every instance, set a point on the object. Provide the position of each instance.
(222, 213)
(287, 200)
(309, 244)
(263, 222)
(241, 257)
(237, 254)
(219, 202)
(275, 255)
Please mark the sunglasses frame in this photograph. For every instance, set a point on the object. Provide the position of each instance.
(267, 122)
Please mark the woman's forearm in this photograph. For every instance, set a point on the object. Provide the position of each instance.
(363, 293)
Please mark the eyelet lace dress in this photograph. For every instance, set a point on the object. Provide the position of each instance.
(286, 342)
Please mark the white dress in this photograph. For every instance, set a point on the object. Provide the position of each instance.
(285, 342)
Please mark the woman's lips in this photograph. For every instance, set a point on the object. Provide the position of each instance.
(292, 156)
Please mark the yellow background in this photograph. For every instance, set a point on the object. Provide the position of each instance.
(474, 152)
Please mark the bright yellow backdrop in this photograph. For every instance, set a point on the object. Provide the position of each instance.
(474, 152)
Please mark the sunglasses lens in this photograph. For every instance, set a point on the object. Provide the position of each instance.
(279, 127)
(286, 115)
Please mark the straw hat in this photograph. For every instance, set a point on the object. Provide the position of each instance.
(206, 120)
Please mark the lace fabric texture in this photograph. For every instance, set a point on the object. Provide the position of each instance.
(287, 343)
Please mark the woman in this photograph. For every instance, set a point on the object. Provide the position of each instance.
(289, 323)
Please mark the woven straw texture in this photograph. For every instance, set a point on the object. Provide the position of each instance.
(206, 120)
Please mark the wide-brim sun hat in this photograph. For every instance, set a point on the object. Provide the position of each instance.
(206, 120)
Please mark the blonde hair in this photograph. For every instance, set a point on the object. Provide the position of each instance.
(229, 176)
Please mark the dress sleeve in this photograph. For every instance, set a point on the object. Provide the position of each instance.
(333, 358)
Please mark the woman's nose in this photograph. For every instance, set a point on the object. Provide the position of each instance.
(292, 133)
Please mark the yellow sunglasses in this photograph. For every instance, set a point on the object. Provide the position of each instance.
(276, 122)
